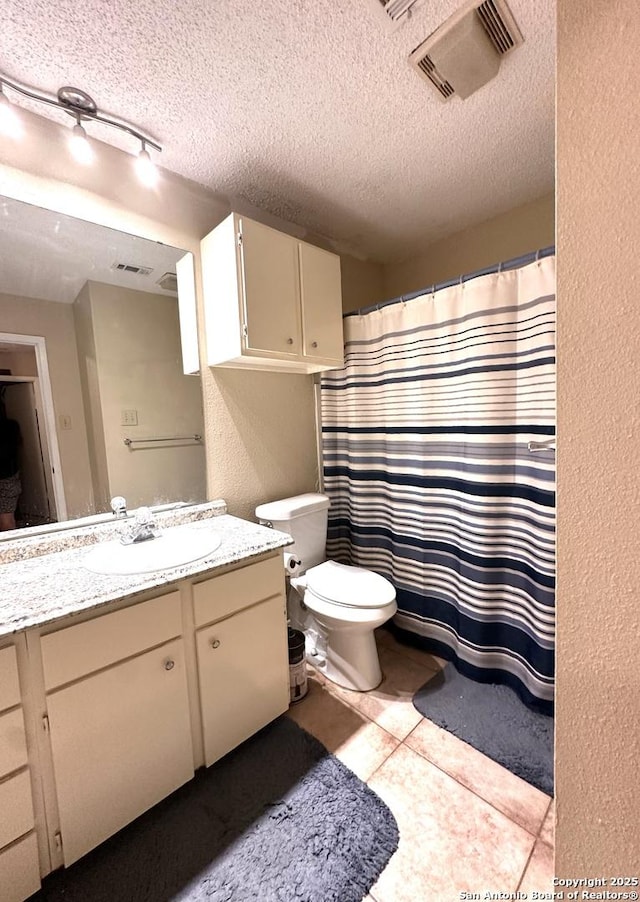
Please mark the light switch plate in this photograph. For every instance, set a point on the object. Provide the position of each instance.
(129, 418)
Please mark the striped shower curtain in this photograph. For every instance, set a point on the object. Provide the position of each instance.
(426, 462)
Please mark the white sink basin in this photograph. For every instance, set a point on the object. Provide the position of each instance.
(172, 548)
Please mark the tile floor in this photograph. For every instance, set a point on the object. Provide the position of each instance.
(466, 824)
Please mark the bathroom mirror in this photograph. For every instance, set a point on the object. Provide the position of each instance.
(91, 368)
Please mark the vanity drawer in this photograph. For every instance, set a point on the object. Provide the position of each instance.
(9, 685)
(13, 742)
(16, 806)
(20, 870)
(75, 651)
(220, 596)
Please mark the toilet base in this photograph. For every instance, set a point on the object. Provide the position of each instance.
(350, 660)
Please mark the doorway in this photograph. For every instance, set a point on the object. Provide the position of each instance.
(26, 391)
(22, 403)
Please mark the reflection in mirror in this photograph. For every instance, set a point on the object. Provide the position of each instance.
(91, 370)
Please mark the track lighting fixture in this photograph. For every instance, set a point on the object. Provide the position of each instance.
(82, 107)
(79, 145)
(147, 172)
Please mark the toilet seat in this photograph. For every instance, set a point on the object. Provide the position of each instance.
(349, 587)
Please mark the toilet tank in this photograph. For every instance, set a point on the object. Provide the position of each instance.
(304, 517)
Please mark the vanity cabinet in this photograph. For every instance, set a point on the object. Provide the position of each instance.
(243, 670)
(120, 730)
(271, 301)
(122, 706)
(19, 865)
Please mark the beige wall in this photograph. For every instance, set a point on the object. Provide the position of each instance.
(54, 321)
(90, 384)
(21, 363)
(139, 367)
(516, 232)
(598, 673)
(362, 283)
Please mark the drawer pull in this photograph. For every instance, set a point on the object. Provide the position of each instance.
(314, 344)
(169, 664)
(215, 643)
(289, 341)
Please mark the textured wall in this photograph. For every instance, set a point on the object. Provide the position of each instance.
(598, 685)
(518, 231)
(362, 283)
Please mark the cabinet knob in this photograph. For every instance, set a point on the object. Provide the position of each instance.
(289, 341)
(314, 344)
(169, 664)
(215, 643)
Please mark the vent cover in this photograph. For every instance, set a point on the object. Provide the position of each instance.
(465, 52)
(394, 12)
(133, 269)
(168, 282)
(500, 26)
(427, 66)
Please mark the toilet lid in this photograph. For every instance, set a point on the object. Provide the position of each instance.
(352, 587)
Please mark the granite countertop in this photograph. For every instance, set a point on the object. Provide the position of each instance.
(45, 588)
(89, 530)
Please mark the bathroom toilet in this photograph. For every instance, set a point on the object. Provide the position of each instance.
(337, 606)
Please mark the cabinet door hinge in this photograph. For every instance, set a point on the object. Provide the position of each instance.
(45, 722)
(245, 332)
(239, 239)
(57, 836)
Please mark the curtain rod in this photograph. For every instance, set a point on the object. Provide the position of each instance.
(514, 263)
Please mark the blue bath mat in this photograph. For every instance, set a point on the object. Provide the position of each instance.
(493, 720)
(277, 820)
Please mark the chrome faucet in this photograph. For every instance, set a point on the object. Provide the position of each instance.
(142, 527)
(119, 507)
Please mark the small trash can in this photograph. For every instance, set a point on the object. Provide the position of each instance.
(297, 666)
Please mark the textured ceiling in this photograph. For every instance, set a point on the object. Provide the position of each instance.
(307, 109)
(49, 256)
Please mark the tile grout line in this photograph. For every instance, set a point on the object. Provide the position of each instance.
(535, 836)
(527, 863)
(402, 742)
(386, 758)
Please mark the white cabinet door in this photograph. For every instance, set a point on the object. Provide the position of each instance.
(121, 741)
(270, 290)
(243, 669)
(19, 870)
(321, 292)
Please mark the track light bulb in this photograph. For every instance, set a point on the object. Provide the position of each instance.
(146, 168)
(9, 122)
(80, 146)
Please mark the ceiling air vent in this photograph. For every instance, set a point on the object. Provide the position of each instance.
(440, 84)
(465, 52)
(168, 282)
(133, 269)
(394, 12)
(500, 26)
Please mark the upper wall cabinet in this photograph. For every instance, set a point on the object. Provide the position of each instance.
(271, 301)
